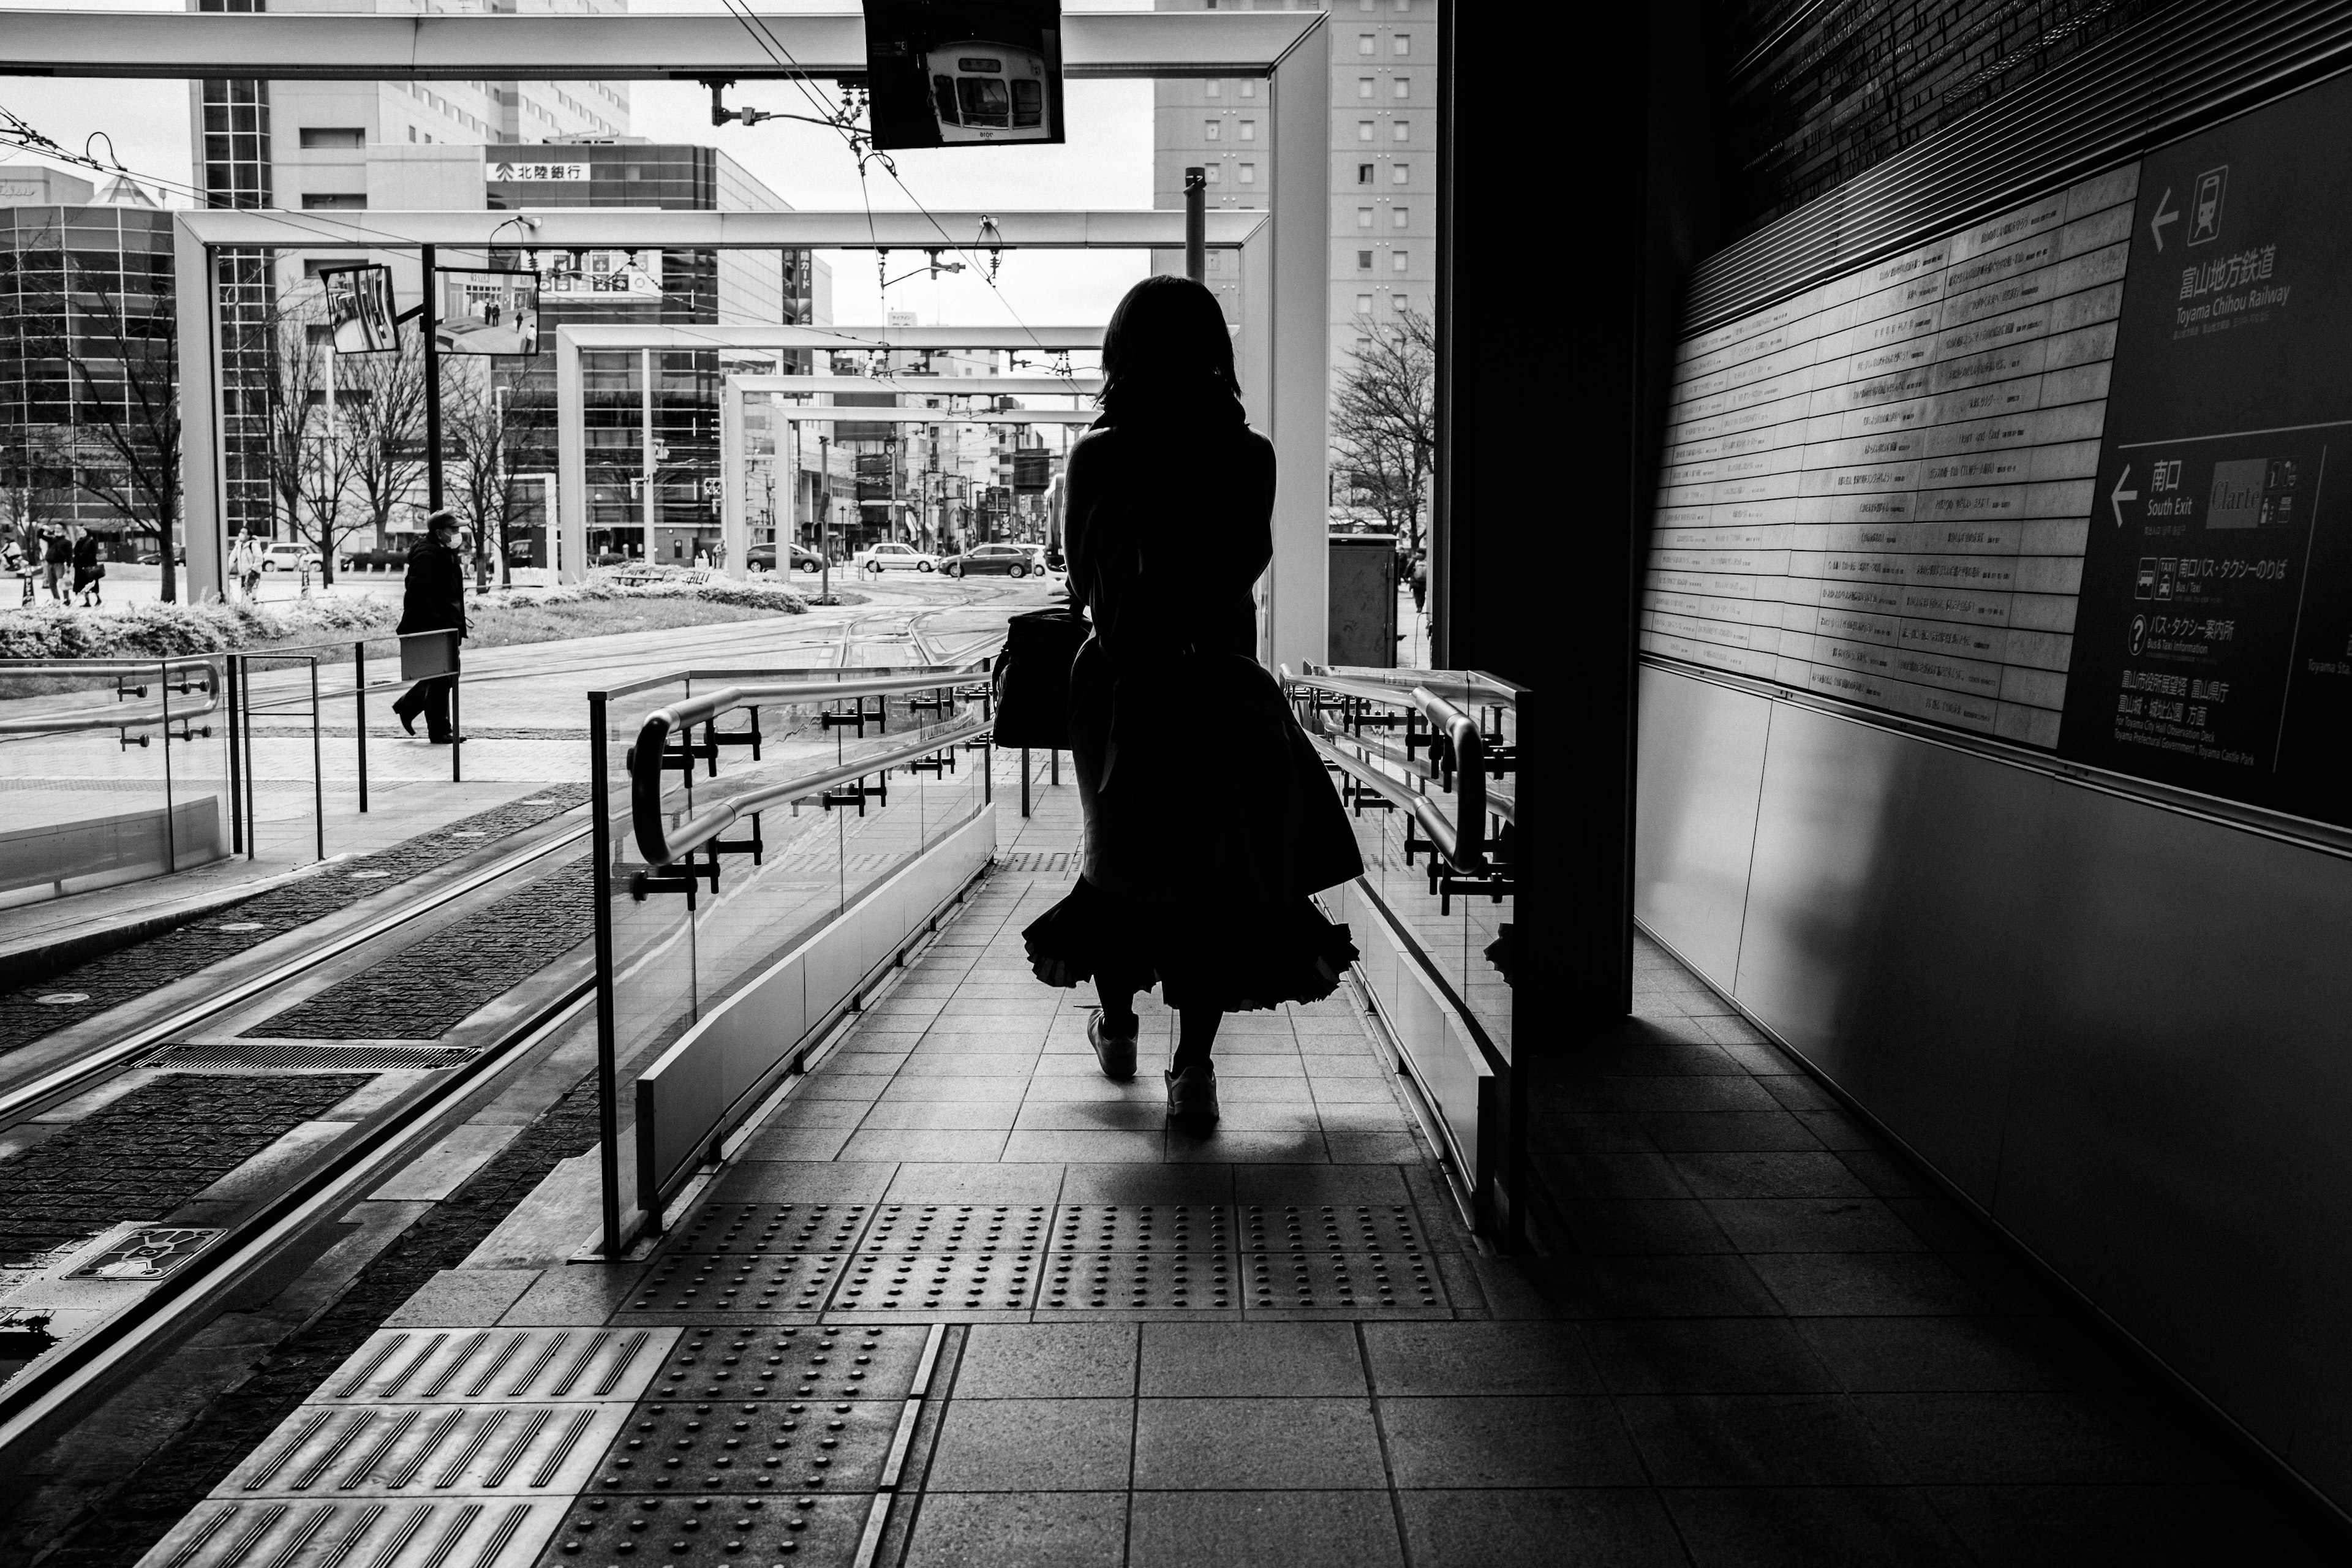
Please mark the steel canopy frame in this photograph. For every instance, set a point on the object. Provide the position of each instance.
(1282, 251)
(651, 46)
(734, 519)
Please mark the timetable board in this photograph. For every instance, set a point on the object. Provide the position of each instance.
(1878, 490)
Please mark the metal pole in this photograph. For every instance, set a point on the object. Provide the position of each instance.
(608, 1087)
(456, 729)
(359, 697)
(1024, 781)
(1196, 224)
(429, 321)
(824, 518)
(252, 817)
(645, 439)
(171, 833)
(317, 763)
(235, 781)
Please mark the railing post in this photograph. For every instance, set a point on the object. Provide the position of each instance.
(171, 824)
(235, 781)
(1024, 781)
(359, 701)
(318, 765)
(457, 729)
(608, 1087)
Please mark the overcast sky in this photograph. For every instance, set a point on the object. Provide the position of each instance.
(1106, 162)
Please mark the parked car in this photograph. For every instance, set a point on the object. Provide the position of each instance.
(150, 558)
(880, 558)
(283, 556)
(762, 558)
(1005, 560)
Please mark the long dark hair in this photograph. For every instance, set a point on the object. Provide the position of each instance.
(1167, 356)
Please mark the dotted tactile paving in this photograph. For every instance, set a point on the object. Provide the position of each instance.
(1350, 1281)
(416, 1450)
(1330, 1228)
(770, 1227)
(919, 1282)
(832, 1363)
(703, 1532)
(736, 1281)
(455, 1532)
(497, 1365)
(1159, 1282)
(958, 1227)
(1144, 1227)
(751, 1445)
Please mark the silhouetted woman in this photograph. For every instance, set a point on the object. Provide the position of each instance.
(1209, 819)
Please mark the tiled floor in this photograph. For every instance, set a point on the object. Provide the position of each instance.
(1758, 1337)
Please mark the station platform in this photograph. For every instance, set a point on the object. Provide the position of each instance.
(958, 1300)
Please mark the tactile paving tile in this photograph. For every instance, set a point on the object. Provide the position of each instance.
(1353, 1281)
(746, 1445)
(958, 1227)
(1144, 1227)
(915, 1282)
(497, 1365)
(832, 1363)
(736, 1281)
(769, 1228)
(705, 1531)
(1330, 1228)
(1083, 1281)
(455, 1533)
(415, 1450)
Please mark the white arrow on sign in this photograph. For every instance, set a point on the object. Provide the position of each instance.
(2165, 213)
(2119, 495)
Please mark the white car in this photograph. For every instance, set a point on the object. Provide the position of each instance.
(285, 557)
(880, 558)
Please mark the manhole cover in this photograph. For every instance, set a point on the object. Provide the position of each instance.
(239, 925)
(61, 998)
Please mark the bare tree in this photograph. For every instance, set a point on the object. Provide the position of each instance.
(312, 473)
(104, 348)
(381, 420)
(496, 427)
(1384, 422)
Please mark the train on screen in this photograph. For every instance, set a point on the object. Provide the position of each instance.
(988, 92)
(963, 73)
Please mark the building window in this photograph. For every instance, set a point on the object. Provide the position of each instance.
(1363, 217)
(1402, 130)
(1216, 172)
(333, 136)
(1363, 86)
(1249, 89)
(1363, 174)
(1211, 130)
(1216, 88)
(1397, 263)
(1249, 129)
(1364, 42)
(412, 133)
(1404, 87)
(1402, 44)
(1363, 304)
(333, 202)
(1363, 261)
(1397, 303)
(1403, 175)
(1400, 218)
(1363, 129)
(1249, 174)
(1404, 5)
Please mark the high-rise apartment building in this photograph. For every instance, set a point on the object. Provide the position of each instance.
(1383, 153)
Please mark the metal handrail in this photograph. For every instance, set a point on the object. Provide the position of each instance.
(1461, 841)
(1480, 689)
(701, 709)
(140, 716)
(662, 845)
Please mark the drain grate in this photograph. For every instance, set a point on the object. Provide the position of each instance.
(873, 1362)
(1330, 1228)
(1145, 1228)
(241, 1055)
(693, 1531)
(1085, 1281)
(719, 1282)
(747, 1445)
(770, 1227)
(988, 1279)
(958, 1227)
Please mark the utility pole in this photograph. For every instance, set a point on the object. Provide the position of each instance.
(824, 518)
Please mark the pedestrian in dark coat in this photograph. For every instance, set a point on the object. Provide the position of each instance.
(1197, 877)
(87, 567)
(433, 600)
(57, 562)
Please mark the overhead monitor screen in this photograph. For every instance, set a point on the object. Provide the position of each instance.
(488, 313)
(961, 73)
